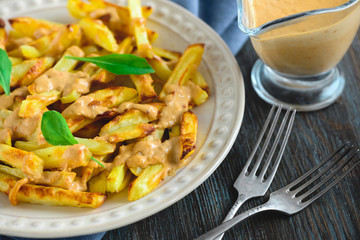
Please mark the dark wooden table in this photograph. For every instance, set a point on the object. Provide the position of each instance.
(315, 134)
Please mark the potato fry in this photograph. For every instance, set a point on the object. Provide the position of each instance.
(65, 64)
(149, 178)
(3, 34)
(29, 52)
(139, 30)
(99, 33)
(36, 103)
(185, 68)
(29, 27)
(161, 68)
(115, 178)
(101, 101)
(98, 183)
(12, 171)
(30, 146)
(80, 9)
(167, 54)
(58, 157)
(31, 165)
(188, 133)
(130, 117)
(50, 195)
(97, 146)
(129, 132)
(143, 84)
(25, 73)
(15, 60)
(199, 80)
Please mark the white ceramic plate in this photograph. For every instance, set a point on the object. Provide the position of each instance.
(219, 123)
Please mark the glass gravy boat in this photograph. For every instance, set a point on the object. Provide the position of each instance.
(299, 54)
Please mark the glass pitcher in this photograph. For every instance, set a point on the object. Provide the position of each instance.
(299, 53)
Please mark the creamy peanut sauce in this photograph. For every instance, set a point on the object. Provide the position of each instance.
(6, 101)
(74, 156)
(309, 46)
(177, 102)
(57, 179)
(148, 109)
(22, 127)
(65, 82)
(78, 186)
(264, 11)
(145, 153)
(85, 106)
(41, 32)
(23, 41)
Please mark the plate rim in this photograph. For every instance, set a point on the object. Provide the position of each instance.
(218, 159)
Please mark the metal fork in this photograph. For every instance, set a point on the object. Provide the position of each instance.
(297, 195)
(248, 184)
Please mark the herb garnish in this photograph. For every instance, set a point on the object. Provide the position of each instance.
(5, 71)
(56, 131)
(120, 64)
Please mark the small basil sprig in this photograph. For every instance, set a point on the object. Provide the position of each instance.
(120, 64)
(5, 71)
(56, 131)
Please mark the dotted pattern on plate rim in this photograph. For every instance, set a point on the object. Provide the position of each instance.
(221, 129)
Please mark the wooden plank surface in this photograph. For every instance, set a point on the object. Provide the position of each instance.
(334, 216)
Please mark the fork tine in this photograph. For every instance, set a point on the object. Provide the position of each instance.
(313, 179)
(267, 140)
(300, 179)
(325, 180)
(259, 138)
(280, 153)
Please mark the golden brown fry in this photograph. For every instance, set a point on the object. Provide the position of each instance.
(129, 132)
(143, 84)
(99, 33)
(130, 117)
(36, 103)
(31, 27)
(139, 30)
(167, 54)
(50, 195)
(188, 133)
(115, 178)
(161, 68)
(25, 73)
(31, 165)
(185, 68)
(148, 179)
(64, 157)
(3, 34)
(80, 9)
(98, 183)
(97, 146)
(99, 102)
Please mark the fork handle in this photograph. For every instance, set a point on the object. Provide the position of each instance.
(212, 234)
(241, 199)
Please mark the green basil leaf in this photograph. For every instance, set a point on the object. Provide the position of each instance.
(55, 129)
(57, 132)
(5, 71)
(120, 64)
